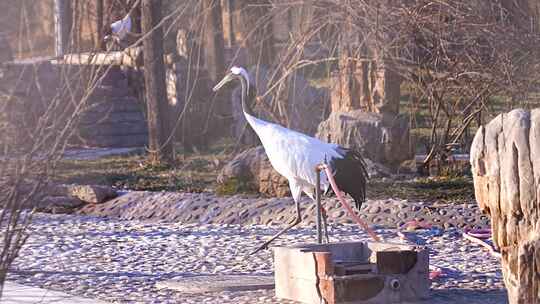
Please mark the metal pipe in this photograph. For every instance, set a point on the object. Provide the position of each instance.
(318, 205)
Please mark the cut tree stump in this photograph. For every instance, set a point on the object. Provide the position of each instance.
(505, 160)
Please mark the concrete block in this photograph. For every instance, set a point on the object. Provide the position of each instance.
(353, 273)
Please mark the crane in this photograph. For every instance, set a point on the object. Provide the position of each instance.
(299, 158)
(119, 30)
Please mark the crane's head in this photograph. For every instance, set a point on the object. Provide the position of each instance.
(235, 73)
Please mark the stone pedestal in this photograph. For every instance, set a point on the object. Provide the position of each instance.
(353, 273)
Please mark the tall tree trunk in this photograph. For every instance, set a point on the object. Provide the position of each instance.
(160, 134)
(255, 26)
(99, 24)
(213, 39)
(135, 16)
(62, 25)
(228, 28)
(370, 85)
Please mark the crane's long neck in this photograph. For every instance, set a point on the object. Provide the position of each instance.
(249, 94)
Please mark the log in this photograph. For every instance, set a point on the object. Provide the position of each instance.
(130, 57)
(505, 161)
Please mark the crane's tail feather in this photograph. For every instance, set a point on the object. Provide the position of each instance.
(351, 175)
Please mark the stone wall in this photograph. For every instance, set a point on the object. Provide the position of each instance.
(113, 116)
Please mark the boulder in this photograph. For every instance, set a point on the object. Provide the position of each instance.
(382, 138)
(87, 193)
(58, 204)
(253, 167)
(61, 201)
(505, 166)
(299, 106)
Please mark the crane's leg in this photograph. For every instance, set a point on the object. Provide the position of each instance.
(322, 215)
(294, 223)
(325, 223)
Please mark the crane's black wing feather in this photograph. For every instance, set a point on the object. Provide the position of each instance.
(351, 175)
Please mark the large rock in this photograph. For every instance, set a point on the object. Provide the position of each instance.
(383, 139)
(300, 106)
(86, 193)
(58, 204)
(505, 162)
(253, 167)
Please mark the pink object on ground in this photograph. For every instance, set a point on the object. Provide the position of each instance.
(479, 233)
(433, 274)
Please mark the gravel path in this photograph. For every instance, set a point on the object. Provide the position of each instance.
(121, 261)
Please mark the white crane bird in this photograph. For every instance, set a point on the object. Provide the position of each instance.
(119, 30)
(122, 27)
(295, 156)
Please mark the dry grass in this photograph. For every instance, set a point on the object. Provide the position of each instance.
(193, 172)
(198, 172)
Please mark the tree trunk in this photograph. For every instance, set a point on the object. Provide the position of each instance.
(364, 81)
(213, 39)
(228, 28)
(255, 28)
(135, 17)
(100, 12)
(62, 26)
(505, 164)
(160, 134)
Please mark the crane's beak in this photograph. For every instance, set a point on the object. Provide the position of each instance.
(224, 81)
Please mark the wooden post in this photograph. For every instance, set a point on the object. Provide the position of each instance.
(213, 39)
(505, 164)
(62, 26)
(160, 134)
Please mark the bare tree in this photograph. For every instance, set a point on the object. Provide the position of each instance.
(99, 24)
(255, 26)
(213, 39)
(159, 127)
(456, 57)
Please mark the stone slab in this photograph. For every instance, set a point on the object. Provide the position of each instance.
(217, 283)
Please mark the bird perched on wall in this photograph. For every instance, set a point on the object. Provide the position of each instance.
(119, 30)
(296, 156)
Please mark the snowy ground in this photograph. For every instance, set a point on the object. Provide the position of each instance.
(121, 261)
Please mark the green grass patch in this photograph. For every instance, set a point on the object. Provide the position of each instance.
(440, 189)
